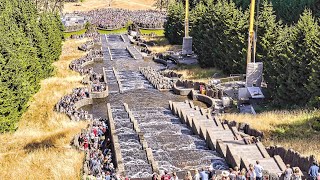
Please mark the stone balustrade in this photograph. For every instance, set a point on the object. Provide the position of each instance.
(237, 150)
(159, 81)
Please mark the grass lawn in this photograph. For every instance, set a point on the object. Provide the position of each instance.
(68, 34)
(290, 129)
(117, 31)
(158, 32)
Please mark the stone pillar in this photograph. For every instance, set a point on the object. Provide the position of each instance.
(187, 46)
(187, 40)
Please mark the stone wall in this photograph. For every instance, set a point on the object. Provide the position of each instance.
(244, 127)
(294, 158)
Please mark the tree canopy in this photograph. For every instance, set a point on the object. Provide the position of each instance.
(290, 53)
(30, 42)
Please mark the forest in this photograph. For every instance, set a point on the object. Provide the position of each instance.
(31, 40)
(288, 47)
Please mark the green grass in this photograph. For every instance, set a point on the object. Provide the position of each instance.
(196, 72)
(68, 34)
(116, 31)
(158, 32)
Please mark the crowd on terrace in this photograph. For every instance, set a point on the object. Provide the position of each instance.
(117, 18)
(67, 104)
(96, 144)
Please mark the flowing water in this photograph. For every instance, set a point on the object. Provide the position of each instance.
(173, 144)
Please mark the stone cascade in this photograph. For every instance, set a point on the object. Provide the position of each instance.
(119, 54)
(125, 38)
(131, 80)
(159, 81)
(112, 81)
(114, 38)
(105, 49)
(131, 156)
(238, 150)
(173, 144)
(134, 53)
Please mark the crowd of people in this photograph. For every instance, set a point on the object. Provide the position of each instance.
(255, 172)
(118, 18)
(67, 104)
(97, 82)
(97, 146)
(76, 65)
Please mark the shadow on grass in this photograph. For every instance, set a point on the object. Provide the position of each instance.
(48, 142)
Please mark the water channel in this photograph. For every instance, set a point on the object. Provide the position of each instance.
(173, 144)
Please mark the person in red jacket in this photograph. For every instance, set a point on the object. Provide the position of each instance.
(166, 176)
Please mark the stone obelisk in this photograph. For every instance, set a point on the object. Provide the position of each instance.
(187, 40)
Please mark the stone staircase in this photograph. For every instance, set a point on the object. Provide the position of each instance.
(125, 38)
(237, 150)
(134, 52)
(133, 158)
(105, 49)
(112, 82)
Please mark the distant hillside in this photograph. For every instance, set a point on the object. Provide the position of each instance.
(88, 5)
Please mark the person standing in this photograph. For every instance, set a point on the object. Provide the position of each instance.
(204, 175)
(258, 170)
(314, 171)
(296, 175)
(174, 176)
(251, 174)
(288, 172)
(166, 176)
(196, 175)
(188, 176)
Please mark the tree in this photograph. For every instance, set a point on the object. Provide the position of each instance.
(174, 27)
(26, 54)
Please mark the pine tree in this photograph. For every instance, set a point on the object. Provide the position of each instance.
(174, 27)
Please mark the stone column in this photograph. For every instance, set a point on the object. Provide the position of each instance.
(187, 40)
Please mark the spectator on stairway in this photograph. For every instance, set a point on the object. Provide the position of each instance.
(155, 176)
(174, 176)
(233, 174)
(287, 172)
(296, 175)
(314, 171)
(251, 174)
(225, 175)
(196, 175)
(242, 175)
(204, 174)
(188, 176)
(166, 176)
(258, 170)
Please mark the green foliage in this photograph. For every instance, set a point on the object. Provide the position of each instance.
(219, 32)
(26, 54)
(174, 27)
(288, 11)
(291, 54)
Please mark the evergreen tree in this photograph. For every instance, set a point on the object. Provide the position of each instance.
(25, 57)
(174, 27)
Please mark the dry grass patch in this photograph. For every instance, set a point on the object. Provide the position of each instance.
(88, 5)
(196, 73)
(40, 148)
(161, 44)
(290, 129)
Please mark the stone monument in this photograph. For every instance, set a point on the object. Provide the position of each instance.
(187, 40)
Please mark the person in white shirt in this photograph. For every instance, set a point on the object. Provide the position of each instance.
(174, 176)
(258, 170)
